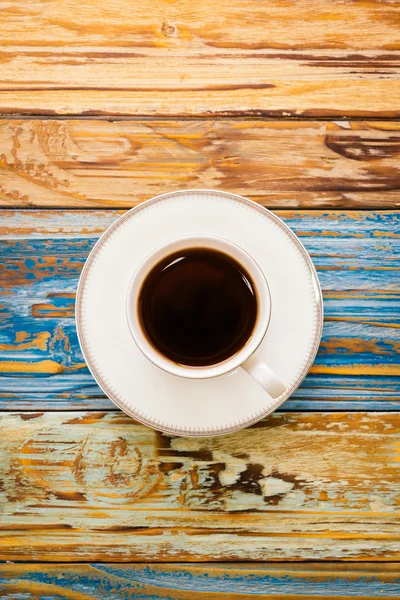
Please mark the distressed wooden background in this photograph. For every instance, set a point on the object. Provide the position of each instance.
(295, 105)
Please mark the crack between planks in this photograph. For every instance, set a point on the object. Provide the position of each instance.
(270, 562)
(217, 117)
(328, 208)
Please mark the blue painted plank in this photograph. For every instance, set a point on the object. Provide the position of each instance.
(207, 581)
(357, 255)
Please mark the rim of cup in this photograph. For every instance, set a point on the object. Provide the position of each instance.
(260, 287)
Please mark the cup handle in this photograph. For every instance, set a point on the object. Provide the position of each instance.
(264, 376)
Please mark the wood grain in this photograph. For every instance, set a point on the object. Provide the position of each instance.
(277, 163)
(96, 486)
(302, 581)
(312, 57)
(357, 258)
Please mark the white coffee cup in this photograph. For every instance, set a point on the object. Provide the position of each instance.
(246, 358)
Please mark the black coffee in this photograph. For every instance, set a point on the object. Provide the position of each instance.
(198, 307)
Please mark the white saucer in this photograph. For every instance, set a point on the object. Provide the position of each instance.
(174, 404)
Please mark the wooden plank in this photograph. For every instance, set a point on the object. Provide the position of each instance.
(97, 486)
(312, 57)
(357, 258)
(246, 25)
(294, 164)
(302, 581)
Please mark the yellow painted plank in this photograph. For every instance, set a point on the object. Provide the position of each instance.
(311, 57)
(98, 486)
(94, 163)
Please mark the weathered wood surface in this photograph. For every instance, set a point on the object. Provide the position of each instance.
(89, 163)
(311, 57)
(357, 258)
(96, 486)
(303, 581)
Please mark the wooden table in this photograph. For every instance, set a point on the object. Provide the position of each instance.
(292, 104)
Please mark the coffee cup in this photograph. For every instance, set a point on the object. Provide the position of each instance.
(216, 278)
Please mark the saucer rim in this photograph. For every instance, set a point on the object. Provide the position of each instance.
(192, 432)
